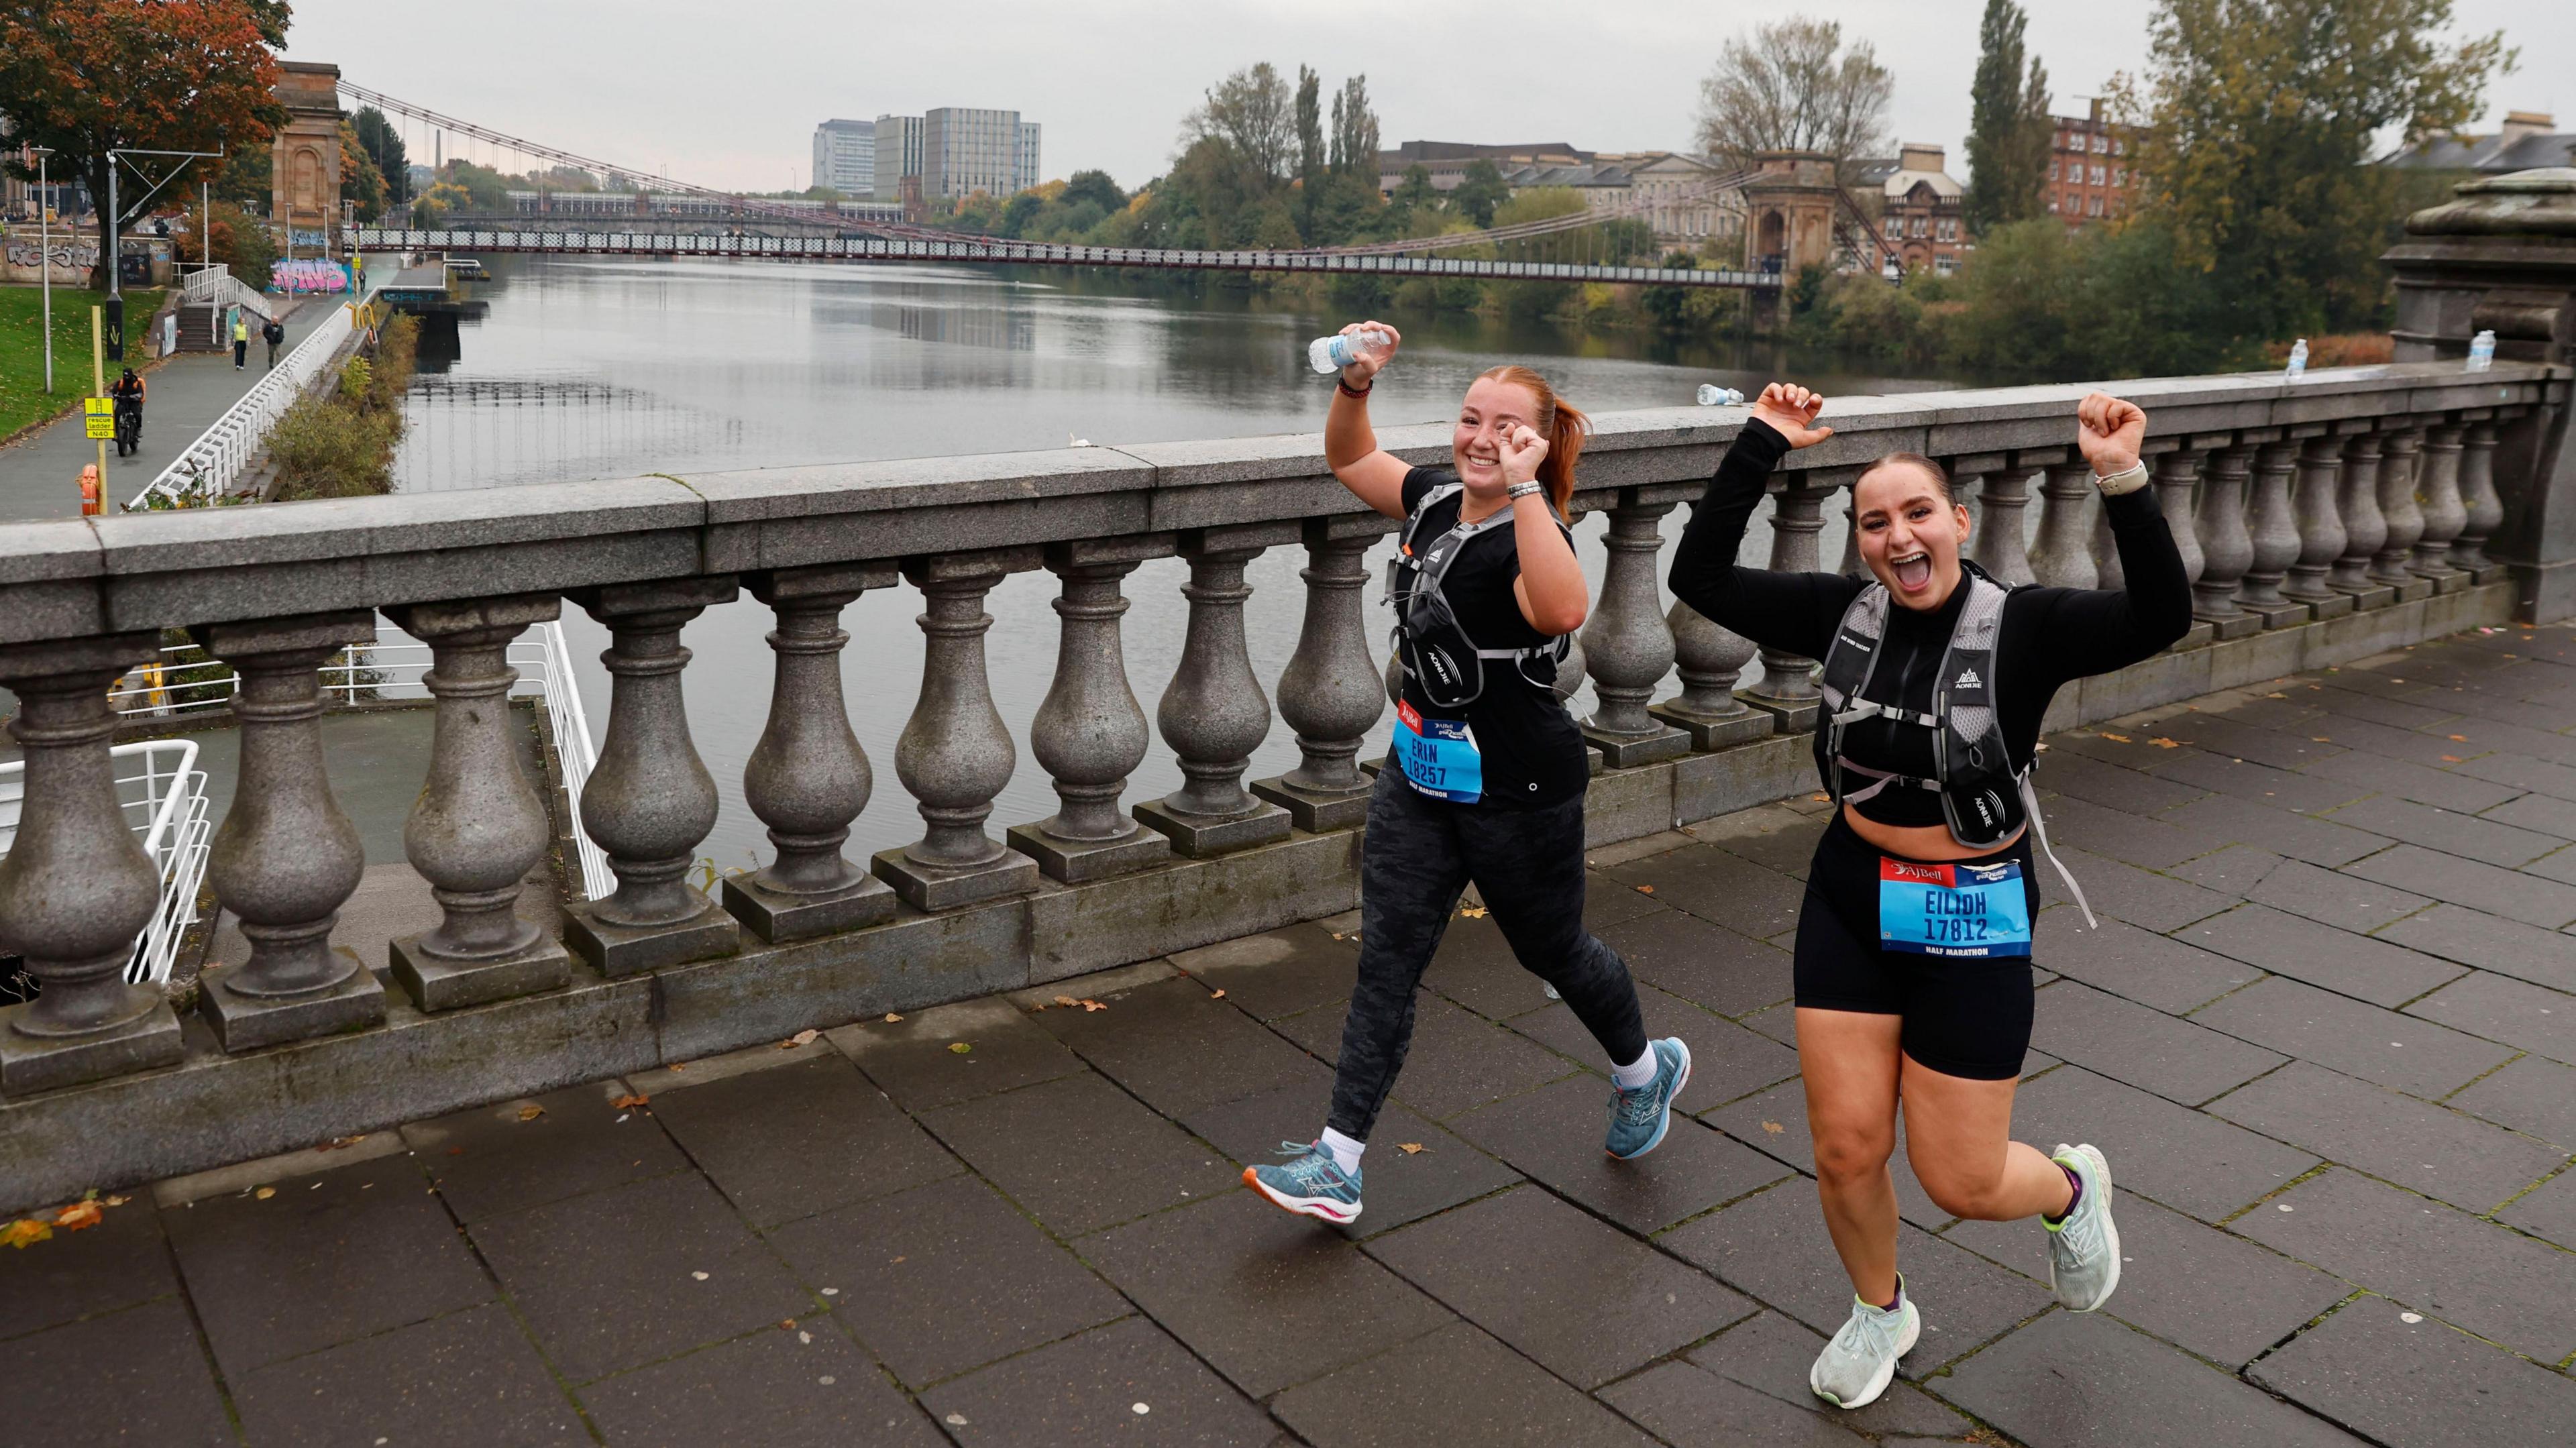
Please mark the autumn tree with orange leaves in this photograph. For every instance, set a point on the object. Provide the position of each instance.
(84, 76)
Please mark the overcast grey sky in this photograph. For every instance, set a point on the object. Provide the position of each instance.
(729, 95)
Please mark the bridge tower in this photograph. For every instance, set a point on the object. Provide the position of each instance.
(304, 161)
(1788, 219)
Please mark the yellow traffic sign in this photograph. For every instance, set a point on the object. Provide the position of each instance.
(99, 415)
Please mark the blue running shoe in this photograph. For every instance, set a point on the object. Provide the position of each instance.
(1311, 1184)
(1638, 1118)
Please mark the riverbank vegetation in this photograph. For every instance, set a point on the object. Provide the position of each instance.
(340, 444)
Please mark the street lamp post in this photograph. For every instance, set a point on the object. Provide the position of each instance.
(45, 256)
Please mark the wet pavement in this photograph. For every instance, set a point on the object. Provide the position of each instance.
(2326, 1035)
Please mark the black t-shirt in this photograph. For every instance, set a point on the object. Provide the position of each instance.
(1533, 755)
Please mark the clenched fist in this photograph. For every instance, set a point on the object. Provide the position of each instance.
(2110, 432)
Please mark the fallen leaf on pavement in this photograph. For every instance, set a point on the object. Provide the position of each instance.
(2459, 739)
(1773, 1127)
(675, 1068)
(1822, 798)
(118, 1201)
(78, 1217)
(787, 1324)
(25, 1231)
(1216, 995)
(629, 1103)
(2451, 759)
(2284, 696)
(2114, 738)
(1089, 1005)
(2163, 743)
(1411, 1148)
(891, 1018)
(960, 1047)
(701, 1276)
(531, 1111)
(801, 1038)
(341, 1143)
(264, 1193)
(2319, 739)
(1066, 1001)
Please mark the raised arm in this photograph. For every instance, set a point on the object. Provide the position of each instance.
(2085, 631)
(1374, 476)
(1795, 612)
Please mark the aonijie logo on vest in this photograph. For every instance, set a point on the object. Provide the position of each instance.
(1968, 680)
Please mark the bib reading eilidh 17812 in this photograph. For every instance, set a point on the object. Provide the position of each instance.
(1439, 756)
(1953, 909)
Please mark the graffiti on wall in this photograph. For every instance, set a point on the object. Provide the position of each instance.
(303, 277)
(67, 255)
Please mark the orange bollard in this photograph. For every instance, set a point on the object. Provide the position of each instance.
(93, 497)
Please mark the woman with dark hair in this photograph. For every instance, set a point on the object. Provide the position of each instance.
(1913, 954)
(1486, 778)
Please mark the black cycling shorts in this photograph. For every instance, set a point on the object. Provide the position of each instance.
(1963, 1016)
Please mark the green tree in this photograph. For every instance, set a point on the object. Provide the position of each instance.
(384, 146)
(1310, 148)
(1792, 86)
(1354, 148)
(1095, 187)
(360, 181)
(1478, 192)
(2008, 127)
(1415, 188)
(2263, 115)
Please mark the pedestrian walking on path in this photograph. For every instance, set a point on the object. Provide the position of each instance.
(1485, 782)
(1913, 958)
(272, 332)
(241, 340)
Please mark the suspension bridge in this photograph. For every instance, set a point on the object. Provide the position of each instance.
(1567, 248)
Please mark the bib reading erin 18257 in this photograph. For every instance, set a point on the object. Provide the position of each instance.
(1953, 909)
(1439, 756)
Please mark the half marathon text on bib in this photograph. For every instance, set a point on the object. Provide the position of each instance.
(1953, 909)
(1439, 756)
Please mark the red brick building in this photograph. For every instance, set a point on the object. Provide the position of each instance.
(2089, 168)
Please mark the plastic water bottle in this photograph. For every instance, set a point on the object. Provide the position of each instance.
(1333, 353)
(2482, 351)
(2298, 358)
(1712, 395)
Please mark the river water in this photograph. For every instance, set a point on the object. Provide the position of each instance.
(587, 368)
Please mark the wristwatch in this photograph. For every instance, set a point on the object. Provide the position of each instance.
(2126, 480)
(1523, 490)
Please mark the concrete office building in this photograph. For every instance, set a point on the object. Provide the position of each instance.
(897, 154)
(966, 149)
(1027, 174)
(845, 154)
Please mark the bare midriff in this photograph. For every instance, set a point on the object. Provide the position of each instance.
(1920, 842)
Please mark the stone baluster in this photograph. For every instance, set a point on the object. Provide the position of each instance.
(1213, 714)
(1851, 566)
(2405, 519)
(2272, 528)
(1569, 673)
(2063, 559)
(808, 778)
(954, 754)
(479, 825)
(649, 800)
(2318, 503)
(1788, 688)
(2177, 482)
(1711, 660)
(1089, 734)
(285, 857)
(1627, 646)
(2225, 550)
(75, 887)
(2002, 546)
(2364, 529)
(2108, 574)
(2445, 512)
(2484, 510)
(1328, 693)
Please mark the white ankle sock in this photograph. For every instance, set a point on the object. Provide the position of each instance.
(1346, 1152)
(1637, 1072)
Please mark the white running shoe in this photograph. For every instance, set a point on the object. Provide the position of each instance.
(1860, 1362)
(2084, 1250)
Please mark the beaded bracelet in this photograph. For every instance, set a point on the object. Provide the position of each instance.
(1347, 390)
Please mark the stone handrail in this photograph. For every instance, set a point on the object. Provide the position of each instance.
(2321, 518)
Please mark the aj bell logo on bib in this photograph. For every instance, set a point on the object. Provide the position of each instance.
(1964, 910)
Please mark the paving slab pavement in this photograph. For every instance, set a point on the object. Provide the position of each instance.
(2340, 1116)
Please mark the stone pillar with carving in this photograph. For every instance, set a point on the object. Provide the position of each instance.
(1330, 692)
(1627, 646)
(1089, 733)
(2437, 484)
(285, 856)
(649, 800)
(2318, 502)
(2482, 508)
(2272, 530)
(807, 778)
(2364, 529)
(479, 826)
(1788, 689)
(954, 754)
(2002, 546)
(76, 887)
(2225, 549)
(2064, 556)
(1214, 714)
(2177, 484)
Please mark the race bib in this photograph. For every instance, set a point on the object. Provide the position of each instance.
(1953, 909)
(1439, 756)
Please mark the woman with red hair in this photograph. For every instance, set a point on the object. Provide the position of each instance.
(1486, 778)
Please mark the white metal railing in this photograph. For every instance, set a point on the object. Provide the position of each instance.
(215, 286)
(164, 795)
(184, 683)
(208, 466)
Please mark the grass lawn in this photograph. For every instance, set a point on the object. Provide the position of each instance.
(22, 348)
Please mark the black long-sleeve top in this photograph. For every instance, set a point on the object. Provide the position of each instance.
(2050, 636)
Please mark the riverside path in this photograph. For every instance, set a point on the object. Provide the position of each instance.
(2326, 1033)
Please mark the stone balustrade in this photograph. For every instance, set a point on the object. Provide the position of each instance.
(2329, 518)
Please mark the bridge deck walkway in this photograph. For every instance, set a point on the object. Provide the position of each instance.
(2327, 1035)
(40, 474)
